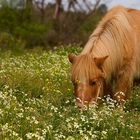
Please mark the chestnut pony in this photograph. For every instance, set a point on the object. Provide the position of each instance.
(110, 60)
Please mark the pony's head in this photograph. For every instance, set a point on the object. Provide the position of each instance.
(88, 78)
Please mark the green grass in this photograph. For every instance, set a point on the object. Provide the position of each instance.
(36, 102)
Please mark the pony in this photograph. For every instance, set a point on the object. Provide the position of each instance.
(110, 60)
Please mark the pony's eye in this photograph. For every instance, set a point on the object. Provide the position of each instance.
(75, 84)
(93, 83)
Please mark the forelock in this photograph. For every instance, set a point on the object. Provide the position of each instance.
(84, 68)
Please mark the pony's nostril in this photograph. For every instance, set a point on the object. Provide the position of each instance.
(86, 102)
(94, 102)
(81, 105)
(79, 100)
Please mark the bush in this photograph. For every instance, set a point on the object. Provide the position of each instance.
(9, 42)
(33, 33)
(9, 19)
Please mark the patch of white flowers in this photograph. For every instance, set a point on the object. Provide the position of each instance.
(36, 103)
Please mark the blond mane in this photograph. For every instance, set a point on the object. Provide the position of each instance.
(112, 37)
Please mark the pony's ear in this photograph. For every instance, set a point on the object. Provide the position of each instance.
(99, 61)
(72, 57)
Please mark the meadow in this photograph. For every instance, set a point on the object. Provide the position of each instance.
(36, 102)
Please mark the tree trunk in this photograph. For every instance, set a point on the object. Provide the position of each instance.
(57, 9)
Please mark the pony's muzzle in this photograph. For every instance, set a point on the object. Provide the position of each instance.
(80, 103)
(84, 104)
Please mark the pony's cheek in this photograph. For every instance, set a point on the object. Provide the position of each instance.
(94, 91)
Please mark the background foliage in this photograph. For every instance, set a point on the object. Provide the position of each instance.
(26, 25)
